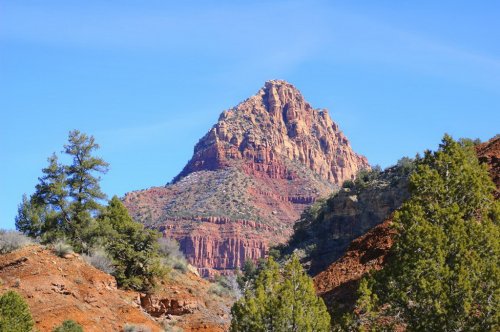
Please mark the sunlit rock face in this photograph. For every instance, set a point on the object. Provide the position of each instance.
(249, 179)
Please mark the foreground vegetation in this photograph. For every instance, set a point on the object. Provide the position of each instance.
(279, 300)
(67, 211)
(443, 272)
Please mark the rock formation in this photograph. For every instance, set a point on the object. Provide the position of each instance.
(58, 289)
(249, 179)
(489, 154)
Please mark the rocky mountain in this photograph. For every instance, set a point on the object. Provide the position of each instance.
(60, 288)
(249, 179)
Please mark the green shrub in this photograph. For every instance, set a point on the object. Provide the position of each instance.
(134, 250)
(15, 314)
(11, 240)
(280, 300)
(225, 286)
(443, 273)
(348, 184)
(68, 326)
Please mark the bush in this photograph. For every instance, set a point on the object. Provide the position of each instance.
(11, 240)
(100, 260)
(61, 248)
(348, 184)
(171, 254)
(68, 326)
(15, 314)
(136, 328)
(134, 250)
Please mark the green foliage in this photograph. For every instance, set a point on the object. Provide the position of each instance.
(247, 275)
(15, 314)
(225, 286)
(67, 197)
(365, 176)
(443, 274)
(134, 250)
(66, 208)
(280, 301)
(68, 326)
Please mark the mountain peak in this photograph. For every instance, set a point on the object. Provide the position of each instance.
(249, 179)
(274, 127)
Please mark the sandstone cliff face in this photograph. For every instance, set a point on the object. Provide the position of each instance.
(275, 125)
(249, 179)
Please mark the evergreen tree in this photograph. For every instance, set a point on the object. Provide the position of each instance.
(443, 274)
(15, 314)
(134, 250)
(68, 326)
(280, 301)
(67, 197)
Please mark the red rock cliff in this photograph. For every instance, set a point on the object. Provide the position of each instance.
(249, 179)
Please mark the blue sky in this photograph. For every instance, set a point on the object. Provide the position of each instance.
(149, 78)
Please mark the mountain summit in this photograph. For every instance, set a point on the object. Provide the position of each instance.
(274, 126)
(249, 179)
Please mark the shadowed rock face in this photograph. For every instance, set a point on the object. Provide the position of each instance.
(249, 179)
(338, 281)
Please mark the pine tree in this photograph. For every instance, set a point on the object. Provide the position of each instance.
(443, 274)
(134, 250)
(67, 197)
(15, 314)
(280, 301)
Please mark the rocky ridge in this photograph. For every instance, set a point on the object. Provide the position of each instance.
(249, 179)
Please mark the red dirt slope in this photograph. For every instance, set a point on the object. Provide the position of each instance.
(57, 289)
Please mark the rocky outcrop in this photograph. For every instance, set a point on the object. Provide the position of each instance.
(489, 154)
(249, 179)
(338, 283)
(324, 236)
(57, 289)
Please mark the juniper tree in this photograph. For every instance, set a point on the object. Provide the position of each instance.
(134, 250)
(280, 301)
(15, 314)
(443, 272)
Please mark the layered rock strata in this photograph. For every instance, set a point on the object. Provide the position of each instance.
(249, 179)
